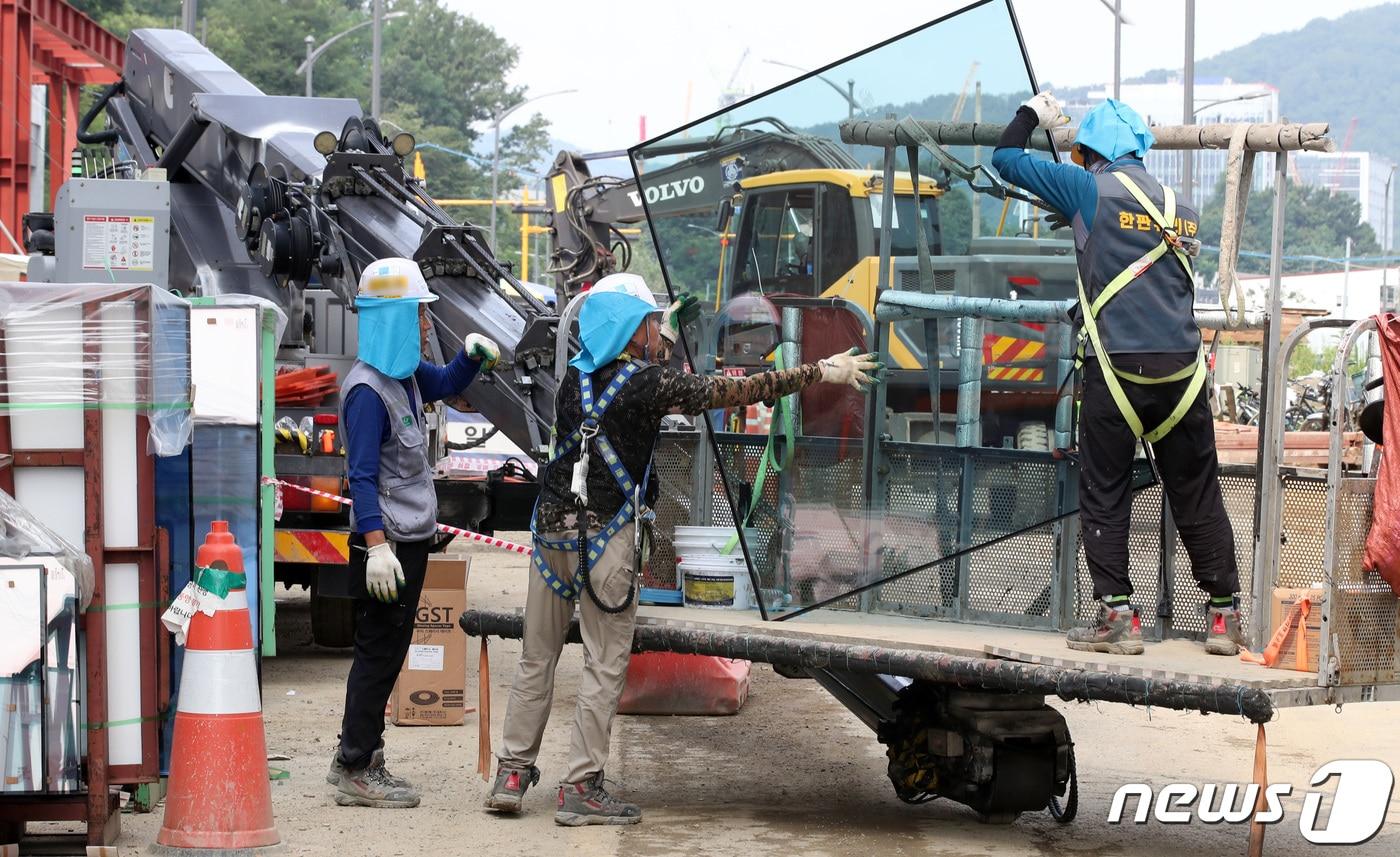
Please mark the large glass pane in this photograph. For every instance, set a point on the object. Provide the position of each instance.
(940, 495)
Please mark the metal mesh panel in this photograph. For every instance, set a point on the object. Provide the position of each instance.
(1188, 601)
(1014, 576)
(1364, 609)
(673, 470)
(921, 525)
(1304, 531)
(1144, 561)
(828, 522)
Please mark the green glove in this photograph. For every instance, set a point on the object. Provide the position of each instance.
(482, 350)
(685, 310)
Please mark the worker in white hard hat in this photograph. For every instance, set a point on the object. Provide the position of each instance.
(393, 519)
(608, 414)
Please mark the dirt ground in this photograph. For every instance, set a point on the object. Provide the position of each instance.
(793, 773)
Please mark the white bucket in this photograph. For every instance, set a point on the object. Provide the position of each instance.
(710, 541)
(715, 583)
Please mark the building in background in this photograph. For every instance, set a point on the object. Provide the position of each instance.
(1216, 100)
(1360, 175)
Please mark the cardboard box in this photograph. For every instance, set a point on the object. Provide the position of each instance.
(431, 690)
(1280, 607)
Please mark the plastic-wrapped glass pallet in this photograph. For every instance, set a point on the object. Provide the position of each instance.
(41, 594)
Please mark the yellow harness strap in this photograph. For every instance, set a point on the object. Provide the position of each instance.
(1196, 372)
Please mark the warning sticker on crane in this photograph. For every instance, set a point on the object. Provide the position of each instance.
(119, 243)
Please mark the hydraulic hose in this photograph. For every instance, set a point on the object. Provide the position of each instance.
(109, 135)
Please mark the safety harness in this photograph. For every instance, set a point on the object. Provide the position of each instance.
(589, 434)
(1170, 243)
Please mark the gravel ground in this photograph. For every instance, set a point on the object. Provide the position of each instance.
(793, 773)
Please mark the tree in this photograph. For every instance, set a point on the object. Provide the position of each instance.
(1319, 222)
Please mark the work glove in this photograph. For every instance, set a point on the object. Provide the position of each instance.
(851, 367)
(1047, 110)
(685, 310)
(482, 350)
(383, 573)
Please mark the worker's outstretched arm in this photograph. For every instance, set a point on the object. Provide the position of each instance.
(683, 393)
(1068, 188)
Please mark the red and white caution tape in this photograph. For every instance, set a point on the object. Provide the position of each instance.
(456, 531)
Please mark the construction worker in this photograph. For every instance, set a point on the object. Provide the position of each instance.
(608, 415)
(1143, 371)
(393, 519)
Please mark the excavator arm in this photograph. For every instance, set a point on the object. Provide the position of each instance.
(273, 194)
(692, 176)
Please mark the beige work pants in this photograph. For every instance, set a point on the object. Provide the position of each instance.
(607, 647)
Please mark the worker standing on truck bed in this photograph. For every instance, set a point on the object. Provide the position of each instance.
(394, 514)
(608, 415)
(1144, 372)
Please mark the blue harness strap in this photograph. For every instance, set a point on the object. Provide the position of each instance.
(590, 428)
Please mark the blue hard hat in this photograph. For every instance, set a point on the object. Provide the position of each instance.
(1113, 129)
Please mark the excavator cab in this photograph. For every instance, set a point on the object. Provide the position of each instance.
(813, 233)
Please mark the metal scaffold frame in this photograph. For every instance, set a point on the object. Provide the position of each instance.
(48, 43)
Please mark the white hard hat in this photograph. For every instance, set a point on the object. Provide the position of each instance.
(394, 278)
(627, 284)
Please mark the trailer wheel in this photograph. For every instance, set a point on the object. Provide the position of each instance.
(332, 620)
(1065, 812)
(1033, 436)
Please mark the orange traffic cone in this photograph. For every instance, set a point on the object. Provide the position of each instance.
(219, 797)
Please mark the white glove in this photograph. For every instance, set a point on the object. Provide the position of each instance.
(383, 573)
(482, 350)
(851, 367)
(1047, 109)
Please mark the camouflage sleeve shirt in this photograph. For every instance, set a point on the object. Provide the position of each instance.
(632, 422)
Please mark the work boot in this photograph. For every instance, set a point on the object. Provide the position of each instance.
(511, 785)
(376, 760)
(374, 786)
(1224, 631)
(589, 803)
(1117, 632)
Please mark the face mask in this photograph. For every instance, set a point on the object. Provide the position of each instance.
(389, 337)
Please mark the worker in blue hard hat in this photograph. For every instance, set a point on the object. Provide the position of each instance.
(1143, 371)
(591, 526)
(394, 516)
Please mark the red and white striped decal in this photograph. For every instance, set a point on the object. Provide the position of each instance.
(491, 541)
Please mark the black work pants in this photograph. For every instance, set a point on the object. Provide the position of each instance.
(1186, 463)
(383, 633)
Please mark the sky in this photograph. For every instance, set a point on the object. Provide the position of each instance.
(662, 65)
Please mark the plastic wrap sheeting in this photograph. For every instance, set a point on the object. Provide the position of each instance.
(224, 471)
(74, 347)
(23, 535)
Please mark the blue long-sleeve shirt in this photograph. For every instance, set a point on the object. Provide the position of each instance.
(364, 408)
(1069, 188)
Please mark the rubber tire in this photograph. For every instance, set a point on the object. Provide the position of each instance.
(332, 621)
(1033, 436)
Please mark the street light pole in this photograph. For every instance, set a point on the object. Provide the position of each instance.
(849, 93)
(496, 121)
(374, 59)
(1188, 98)
(1117, 48)
(310, 46)
(313, 55)
(1385, 238)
